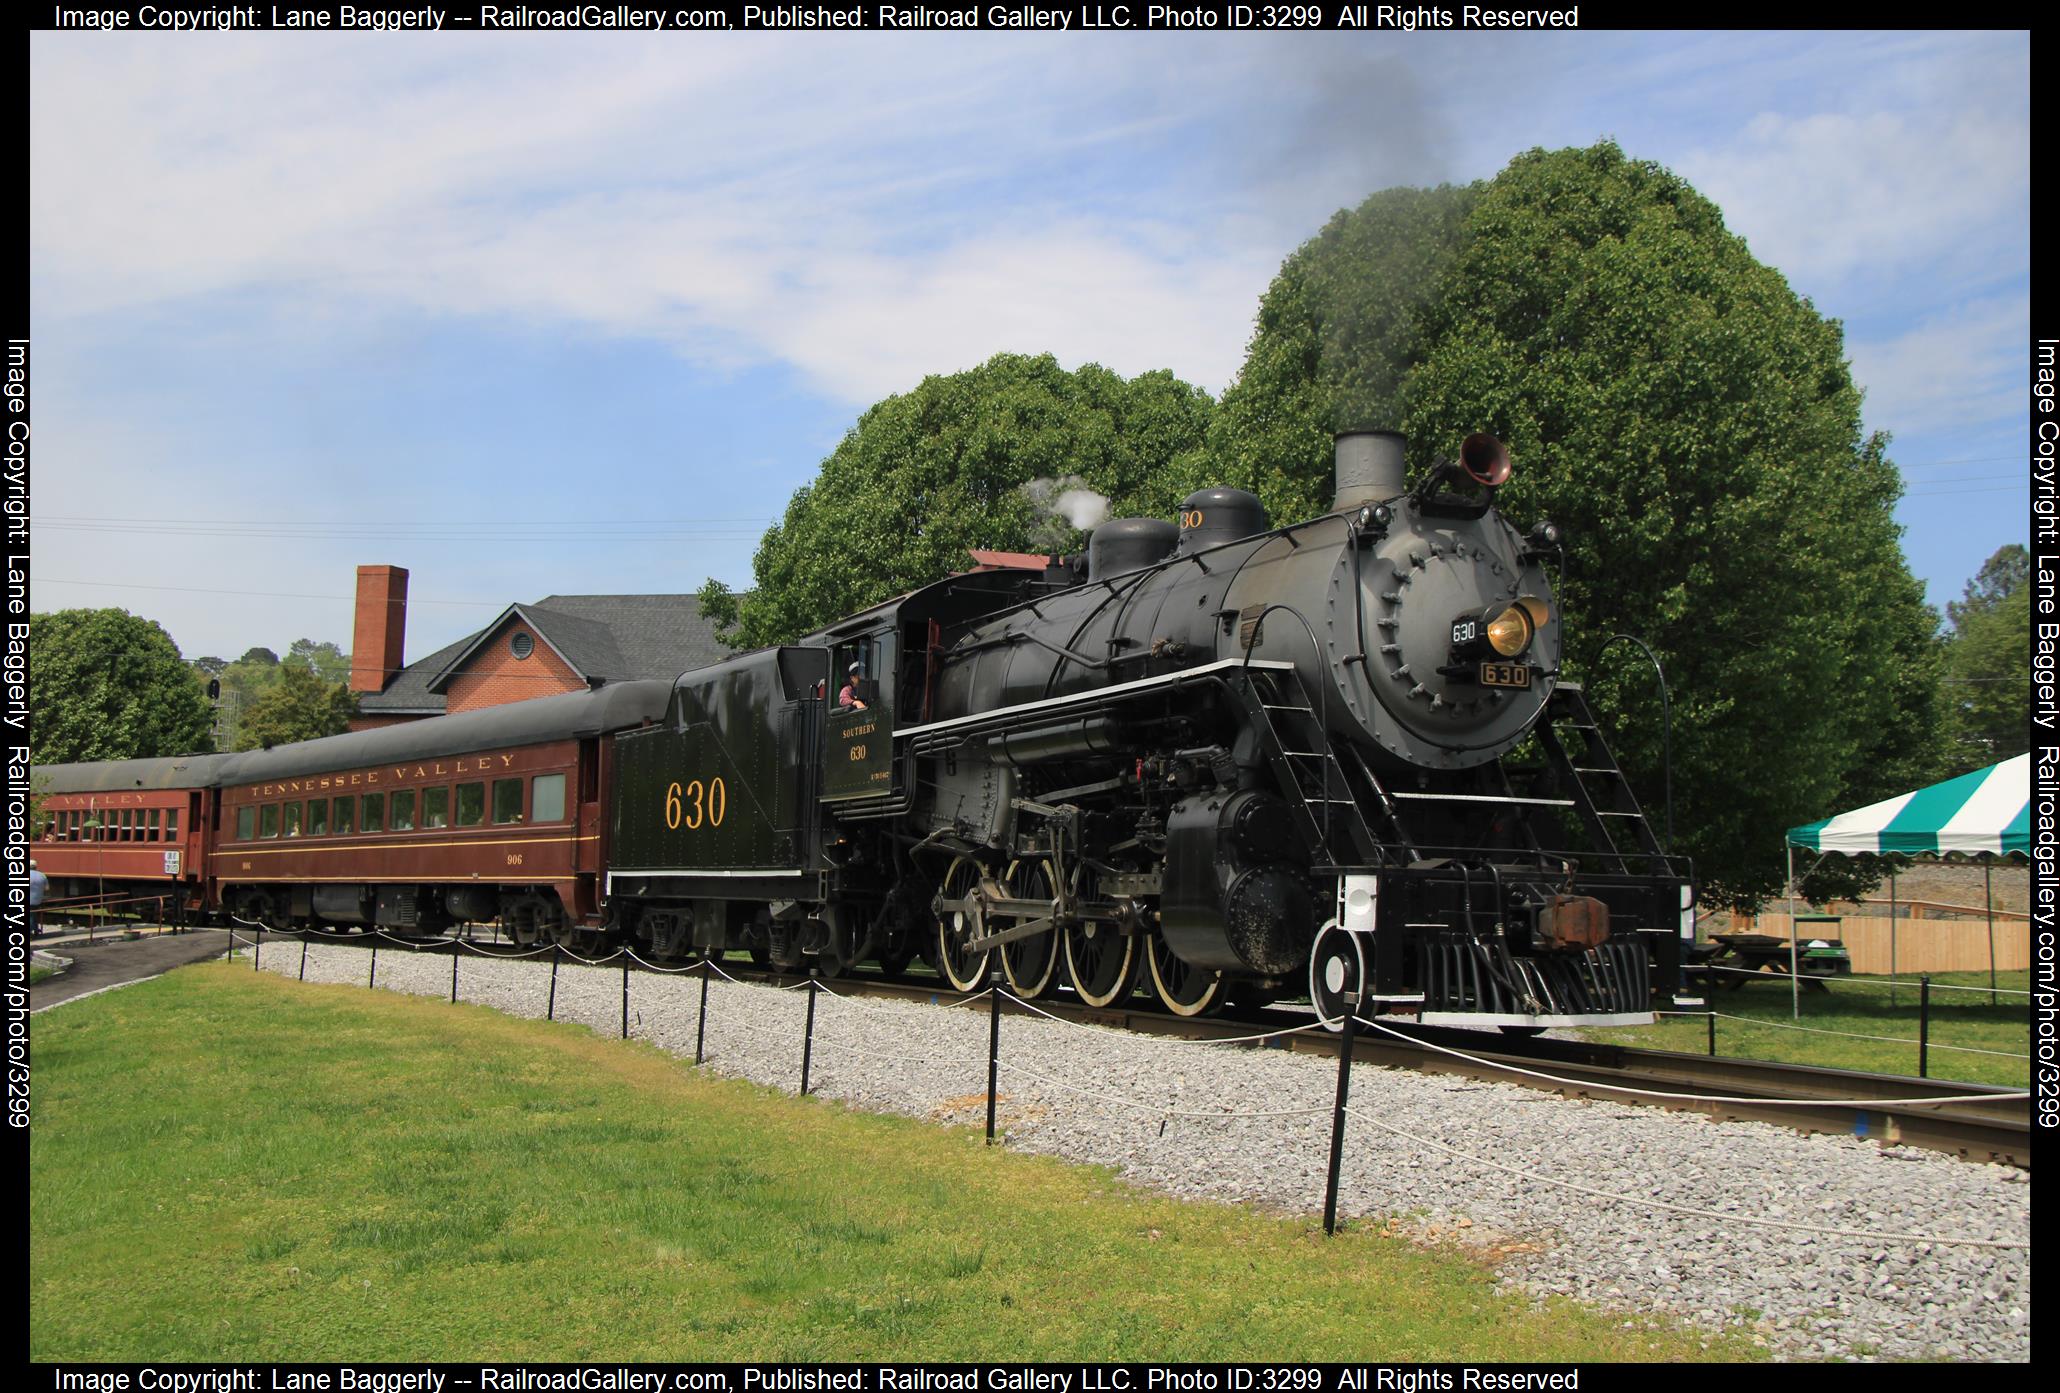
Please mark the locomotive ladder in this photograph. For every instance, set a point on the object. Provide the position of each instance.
(1611, 802)
(1299, 751)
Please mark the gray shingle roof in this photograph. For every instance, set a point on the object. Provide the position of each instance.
(606, 638)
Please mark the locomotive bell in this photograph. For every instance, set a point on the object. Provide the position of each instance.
(1485, 459)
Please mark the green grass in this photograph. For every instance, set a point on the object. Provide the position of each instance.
(1861, 1006)
(228, 1166)
(39, 973)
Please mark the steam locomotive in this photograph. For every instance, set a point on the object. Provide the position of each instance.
(1218, 758)
(1208, 759)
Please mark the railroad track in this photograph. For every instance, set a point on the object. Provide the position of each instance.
(1987, 1125)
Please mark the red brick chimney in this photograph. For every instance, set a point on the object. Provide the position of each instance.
(382, 624)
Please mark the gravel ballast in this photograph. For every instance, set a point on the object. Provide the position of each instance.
(1096, 1095)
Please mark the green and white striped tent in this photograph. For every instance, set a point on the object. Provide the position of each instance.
(1987, 813)
(1984, 815)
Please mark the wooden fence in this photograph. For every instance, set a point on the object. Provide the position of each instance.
(1919, 945)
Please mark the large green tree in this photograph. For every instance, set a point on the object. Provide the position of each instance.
(299, 706)
(107, 684)
(1693, 426)
(1988, 659)
(973, 459)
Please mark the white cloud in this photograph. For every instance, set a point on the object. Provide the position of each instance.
(1954, 370)
(741, 201)
(1833, 195)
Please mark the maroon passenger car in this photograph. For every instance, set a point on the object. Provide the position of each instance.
(130, 834)
(490, 814)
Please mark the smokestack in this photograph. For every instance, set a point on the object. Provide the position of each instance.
(1370, 468)
(380, 627)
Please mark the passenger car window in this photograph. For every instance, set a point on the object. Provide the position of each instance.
(547, 798)
(246, 823)
(374, 819)
(436, 807)
(268, 820)
(344, 808)
(404, 810)
(318, 816)
(471, 804)
(507, 800)
(290, 820)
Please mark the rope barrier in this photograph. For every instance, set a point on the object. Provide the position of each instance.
(1698, 1097)
(1846, 1034)
(1869, 1234)
(697, 966)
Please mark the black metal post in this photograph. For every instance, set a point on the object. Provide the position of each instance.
(625, 996)
(373, 974)
(808, 1034)
(1713, 1030)
(1924, 1026)
(1337, 1117)
(1666, 720)
(257, 948)
(993, 1045)
(303, 957)
(1988, 902)
(701, 1021)
(456, 948)
(551, 1006)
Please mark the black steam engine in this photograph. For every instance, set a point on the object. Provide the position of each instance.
(1218, 758)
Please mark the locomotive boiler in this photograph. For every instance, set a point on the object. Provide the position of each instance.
(1214, 756)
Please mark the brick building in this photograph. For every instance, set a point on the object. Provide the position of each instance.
(561, 643)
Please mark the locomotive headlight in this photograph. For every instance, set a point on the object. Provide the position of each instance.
(1510, 633)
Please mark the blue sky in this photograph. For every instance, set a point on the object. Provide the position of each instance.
(578, 313)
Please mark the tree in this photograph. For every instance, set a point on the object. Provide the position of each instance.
(1692, 425)
(107, 684)
(257, 674)
(325, 660)
(974, 459)
(300, 706)
(1987, 662)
